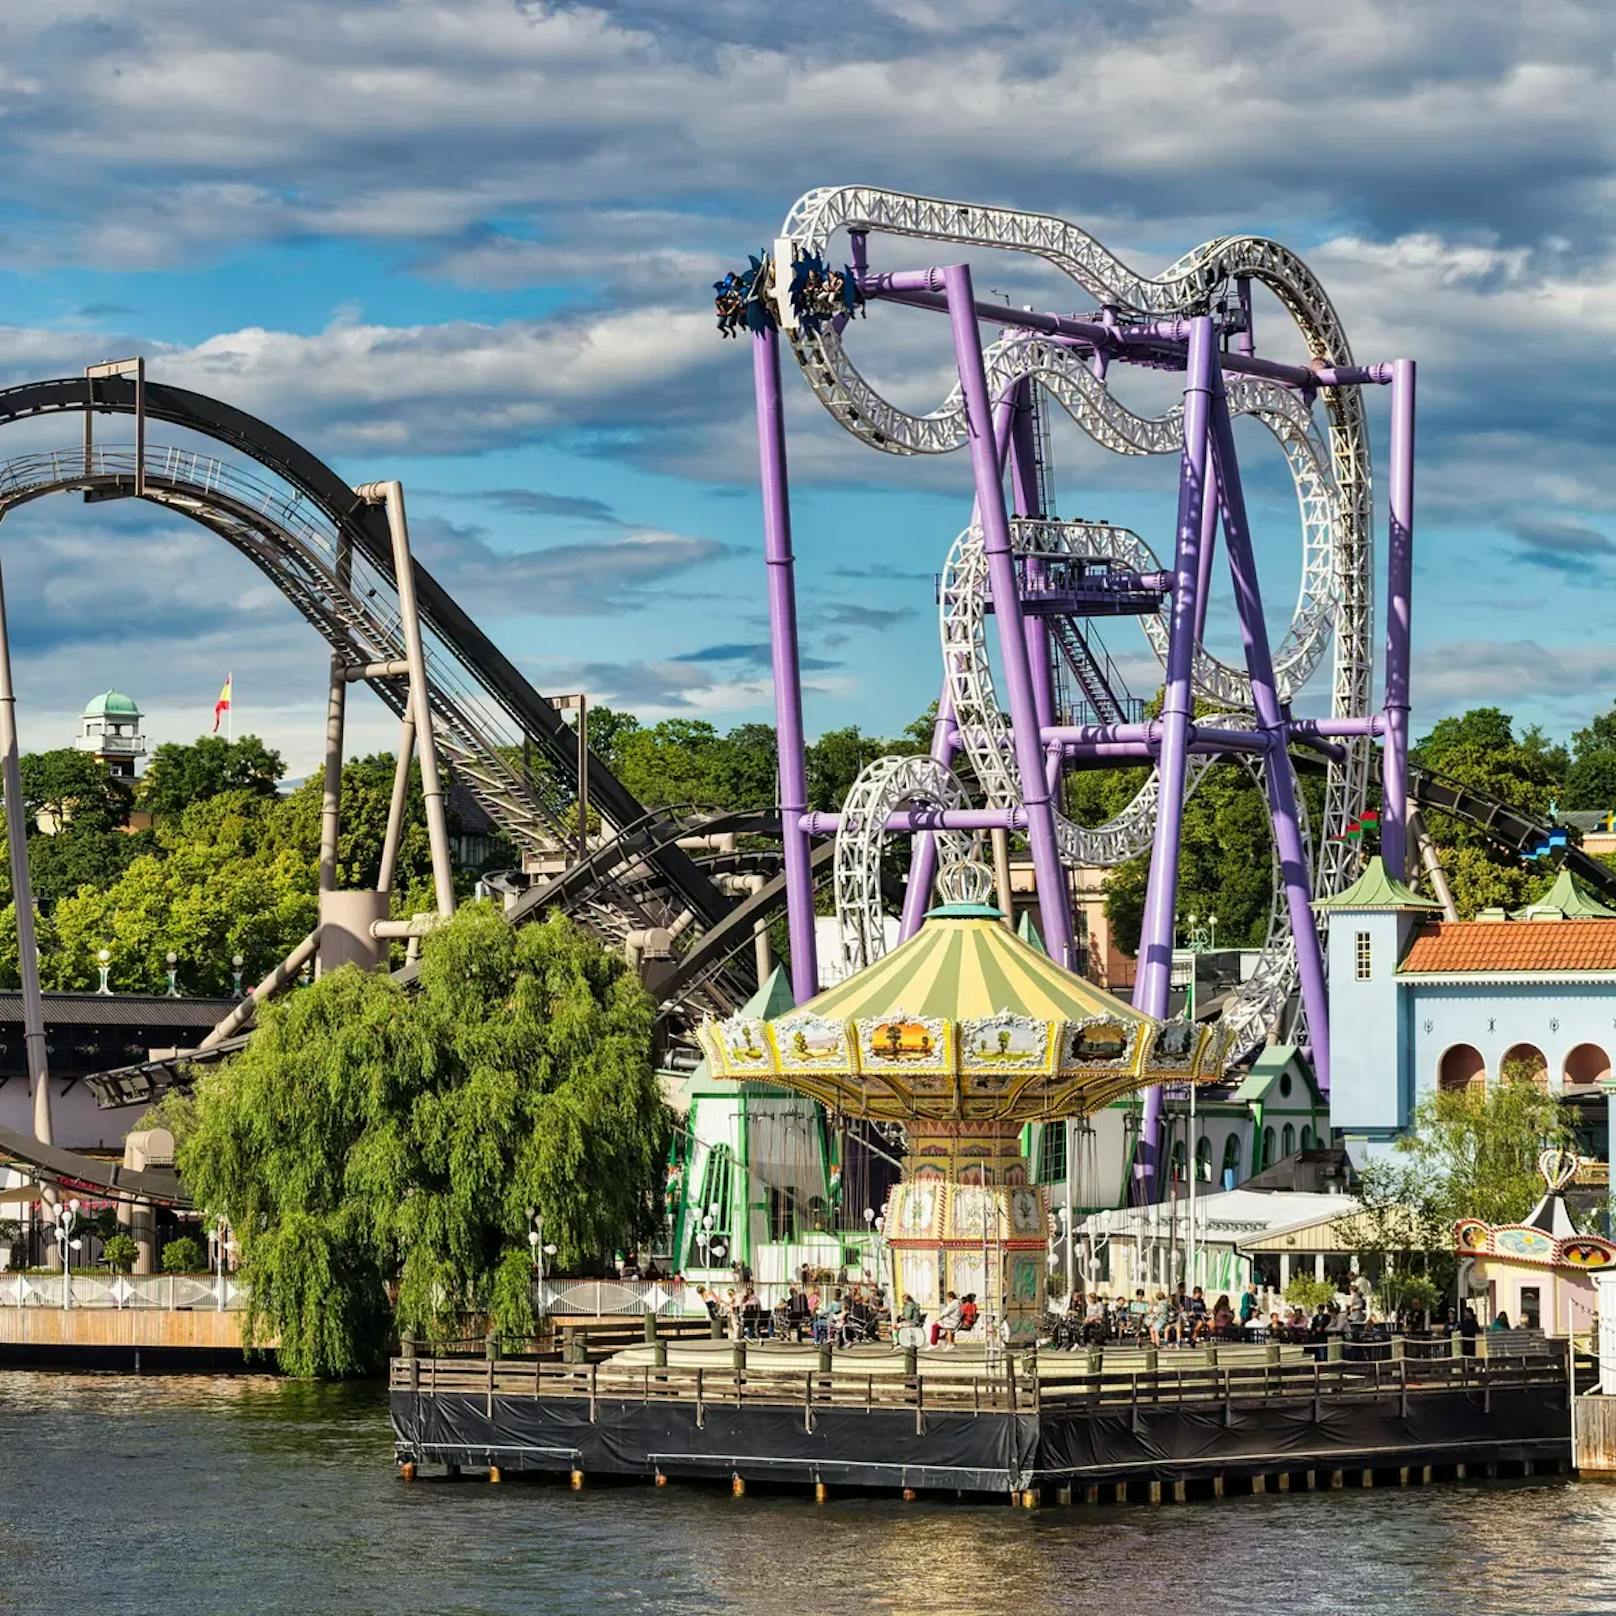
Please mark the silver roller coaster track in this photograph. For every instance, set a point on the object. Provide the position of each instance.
(1330, 470)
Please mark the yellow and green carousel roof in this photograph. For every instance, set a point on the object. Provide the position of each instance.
(965, 1021)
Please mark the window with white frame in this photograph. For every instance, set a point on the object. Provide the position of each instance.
(1362, 959)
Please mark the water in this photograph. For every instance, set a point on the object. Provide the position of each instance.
(202, 1495)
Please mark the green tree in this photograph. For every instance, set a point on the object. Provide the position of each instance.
(1590, 782)
(184, 1255)
(1480, 749)
(1470, 1154)
(119, 1253)
(369, 1138)
(72, 788)
(179, 774)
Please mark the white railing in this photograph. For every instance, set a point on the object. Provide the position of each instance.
(172, 1292)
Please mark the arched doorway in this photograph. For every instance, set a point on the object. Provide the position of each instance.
(1525, 1063)
(1460, 1068)
(1585, 1065)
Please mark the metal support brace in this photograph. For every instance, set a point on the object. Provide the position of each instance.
(22, 891)
(391, 495)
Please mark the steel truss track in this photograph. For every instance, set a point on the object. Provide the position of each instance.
(1331, 470)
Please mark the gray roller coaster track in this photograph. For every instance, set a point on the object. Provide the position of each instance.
(504, 739)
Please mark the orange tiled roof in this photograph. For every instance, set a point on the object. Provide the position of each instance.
(1486, 946)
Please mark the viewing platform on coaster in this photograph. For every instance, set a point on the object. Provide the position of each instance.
(1039, 1427)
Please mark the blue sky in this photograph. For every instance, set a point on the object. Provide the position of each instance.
(469, 244)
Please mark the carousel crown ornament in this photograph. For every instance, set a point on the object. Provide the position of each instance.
(963, 1035)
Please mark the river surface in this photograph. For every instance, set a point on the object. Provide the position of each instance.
(167, 1497)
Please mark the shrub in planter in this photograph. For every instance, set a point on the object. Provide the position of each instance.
(119, 1252)
(183, 1255)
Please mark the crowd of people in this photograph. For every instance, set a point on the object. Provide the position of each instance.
(1186, 1318)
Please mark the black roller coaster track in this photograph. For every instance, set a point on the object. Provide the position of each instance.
(365, 525)
(1508, 827)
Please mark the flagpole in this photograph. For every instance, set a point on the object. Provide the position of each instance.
(230, 711)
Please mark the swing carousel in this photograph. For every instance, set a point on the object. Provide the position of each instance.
(964, 1035)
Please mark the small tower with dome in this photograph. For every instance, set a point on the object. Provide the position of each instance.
(110, 730)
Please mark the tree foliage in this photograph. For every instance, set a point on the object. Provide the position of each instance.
(368, 1138)
(1470, 1154)
(179, 774)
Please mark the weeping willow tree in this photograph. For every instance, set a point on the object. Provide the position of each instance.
(371, 1141)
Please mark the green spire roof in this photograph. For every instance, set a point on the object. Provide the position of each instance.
(1028, 932)
(110, 704)
(1375, 889)
(1565, 900)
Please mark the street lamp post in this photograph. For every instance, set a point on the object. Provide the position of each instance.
(221, 1245)
(236, 963)
(541, 1250)
(1200, 939)
(66, 1217)
(104, 960)
(173, 974)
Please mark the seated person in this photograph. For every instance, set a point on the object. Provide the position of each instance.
(968, 1311)
(946, 1325)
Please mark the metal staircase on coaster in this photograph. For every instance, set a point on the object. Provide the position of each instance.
(521, 772)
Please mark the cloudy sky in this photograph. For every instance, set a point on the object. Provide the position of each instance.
(469, 243)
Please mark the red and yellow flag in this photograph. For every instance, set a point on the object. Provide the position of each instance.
(222, 705)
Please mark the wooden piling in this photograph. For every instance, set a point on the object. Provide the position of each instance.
(1426, 1473)
(821, 1492)
(1091, 1494)
(494, 1476)
(406, 1471)
(1217, 1486)
(576, 1481)
(737, 1485)
(1366, 1478)
(1063, 1494)
(1284, 1481)
(661, 1479)
(1459, 1472)
(1031, 1498)
(1180, 1492)
(1402, 1475)
(1120, 1492)
(1312, 1481)
(1155, 1491)
(1338, 1480)
(909, 1495)
(1259, 1484)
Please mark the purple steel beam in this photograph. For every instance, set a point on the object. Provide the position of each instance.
(1153, 981)
(1005, 586)
(1278, 776)
(786, 666)
(1372, 724)
(922, 288)
(944, 738)
(1035, 569)
(919, 820)
(1399, 601)
(1209, 547)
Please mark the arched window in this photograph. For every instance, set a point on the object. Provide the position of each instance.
(1267, 1149)
(1287, 1142)
(1307, 1137)
(1231, 1161)
(1525, 1063)
(1461, 1067)
(1586, 1064)
(1203, 1159)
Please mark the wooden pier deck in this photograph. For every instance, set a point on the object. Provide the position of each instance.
(1020, 1426)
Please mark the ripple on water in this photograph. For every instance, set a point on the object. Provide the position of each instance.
(199, 1494)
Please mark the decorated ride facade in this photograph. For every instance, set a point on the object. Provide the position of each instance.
(1538, 1273)
(961, 1037)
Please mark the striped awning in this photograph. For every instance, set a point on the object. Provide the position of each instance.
(965, 1021)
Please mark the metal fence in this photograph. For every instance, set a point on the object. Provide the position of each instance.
(171, 1292)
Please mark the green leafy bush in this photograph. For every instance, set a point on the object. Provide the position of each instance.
(119, 1252)
(183, 1255)
(1304, 1291)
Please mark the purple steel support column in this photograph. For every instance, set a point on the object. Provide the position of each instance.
(944, 740)
(1399, 595)
(1025, 499)
(789, 746)
(1006, 591)
(1209, 548)
(1278, 776)
(1154, 978)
